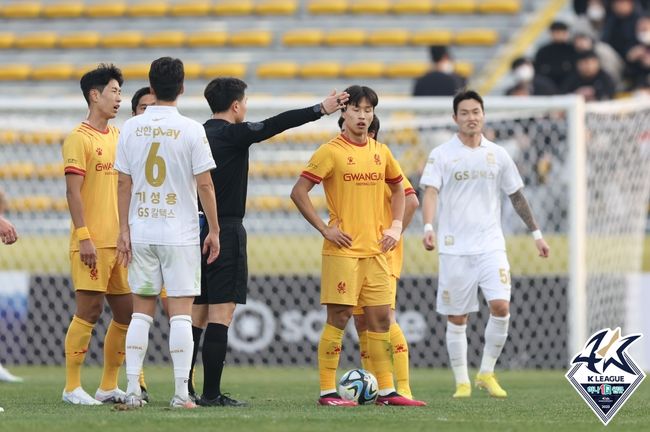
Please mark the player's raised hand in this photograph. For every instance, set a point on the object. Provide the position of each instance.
(543, 248)
(334, 102)
(212, 246)
(336, 236)
(429, 240)
(124, 248)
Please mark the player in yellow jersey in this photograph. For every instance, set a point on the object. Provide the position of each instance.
(395, 258)
(91, 190)
(355, 170)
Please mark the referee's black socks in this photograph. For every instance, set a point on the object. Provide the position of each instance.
(197, 332)
(215, 345)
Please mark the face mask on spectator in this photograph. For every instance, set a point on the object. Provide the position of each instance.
(524, 73)
(596, 12)
(447, 67)
(644, 37)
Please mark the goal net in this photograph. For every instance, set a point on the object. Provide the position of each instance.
(586, 177)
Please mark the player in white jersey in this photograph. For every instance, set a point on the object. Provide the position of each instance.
(464, 179)
(162, 158)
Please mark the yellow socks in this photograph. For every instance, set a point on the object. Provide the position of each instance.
(363, 350)
(400, 360)
(76, 346)
(114, 351)
(329, 352)
(380, 352)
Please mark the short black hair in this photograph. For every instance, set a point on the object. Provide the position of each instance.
(98, 79)
(222, 92)
(166, 77)
(518, 62)
(586, 55)
(135, 100)
(558, 26)
(374, 127)
(438, 52)
(466, 95)
(358, 93)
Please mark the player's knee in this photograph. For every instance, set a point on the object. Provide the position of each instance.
(500, 309)
(339, 318)
(360, 323)
(457, 319)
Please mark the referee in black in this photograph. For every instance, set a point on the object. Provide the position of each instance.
(224, 282)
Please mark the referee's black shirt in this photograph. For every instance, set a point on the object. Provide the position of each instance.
(230, 142)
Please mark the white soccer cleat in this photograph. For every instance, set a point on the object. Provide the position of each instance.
(7, 376)
(79, 396)
(179, 402)
(110, 396)
(133, 400)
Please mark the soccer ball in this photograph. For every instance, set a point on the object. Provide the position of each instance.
(358, 385)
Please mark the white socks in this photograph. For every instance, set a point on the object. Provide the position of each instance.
(137, 340)
(457, 348)
(181, 347)
(496, 333)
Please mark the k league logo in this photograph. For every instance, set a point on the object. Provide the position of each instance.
(604, 374)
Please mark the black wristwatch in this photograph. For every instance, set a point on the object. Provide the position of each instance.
(319, 109)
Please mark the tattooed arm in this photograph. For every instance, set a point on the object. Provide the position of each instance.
(522, 208)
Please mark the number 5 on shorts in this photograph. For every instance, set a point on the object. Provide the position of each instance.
(504, 276)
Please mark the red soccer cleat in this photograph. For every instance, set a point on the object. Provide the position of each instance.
(333, 399)
(394, 399)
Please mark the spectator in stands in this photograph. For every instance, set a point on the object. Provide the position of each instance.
(591, 17)
(9, 236)
(610, 61)
(589, 80)
(620, 26)
(556, 59)
(441, 80)
(527, 82)
(637, 71)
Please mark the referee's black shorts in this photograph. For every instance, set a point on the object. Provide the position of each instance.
(226, 279)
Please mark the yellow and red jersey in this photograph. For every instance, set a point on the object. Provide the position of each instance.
(90, 153)
(354, 177)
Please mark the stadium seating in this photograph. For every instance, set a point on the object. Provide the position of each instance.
(38, 40)
(62, 10)
(206, 39)
(135, 71)
(327, 7)
(190, 8)
(105, 10)
(394, 37)
(21, 10)
(376, 7)
(344, 36)
(276, 7)
(260, 38)
(233, 7)
(53, 72)
(412, 7)
(85, 39)
(147, 9)
(302, 37)
(237, 70)
(166, 39)
(320, 70)
(7, 40)
(285, 70)
(454, 6)
(15, 72)
(499, 6)
(123, 39)
(363, 70)
(476, 37)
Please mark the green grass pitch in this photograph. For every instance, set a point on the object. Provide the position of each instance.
(284, 399)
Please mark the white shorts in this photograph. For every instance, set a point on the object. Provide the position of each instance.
(460, 276)
(177, 267)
